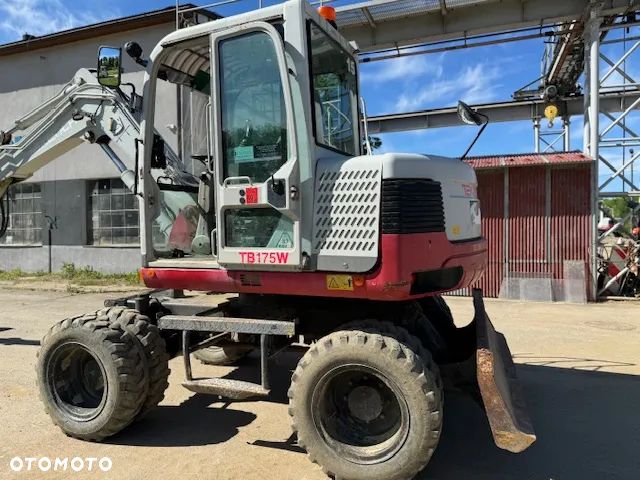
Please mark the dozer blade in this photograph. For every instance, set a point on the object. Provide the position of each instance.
(501, 393)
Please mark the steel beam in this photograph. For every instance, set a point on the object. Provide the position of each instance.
(458, 22)
(497, 112)
(226, 324)
(592, 108)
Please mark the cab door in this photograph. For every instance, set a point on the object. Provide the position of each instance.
(257, 175)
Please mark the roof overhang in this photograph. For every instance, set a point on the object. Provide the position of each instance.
(109, 27)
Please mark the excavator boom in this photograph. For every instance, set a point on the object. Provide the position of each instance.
(83, 111)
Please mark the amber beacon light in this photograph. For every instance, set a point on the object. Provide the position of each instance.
(328, 13)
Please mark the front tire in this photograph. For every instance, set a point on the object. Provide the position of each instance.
(365, 406)
(91, 377)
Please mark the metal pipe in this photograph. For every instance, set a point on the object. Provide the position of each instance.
(622, 177)
(620, 118)
(619, 70)
(264, 361)
(466, 44)
(186, 355)
(550, 146)
(620, 170)
(621, 223)
(566, 123)
(536, 134)
(591, 126)
(547, 212)
(551, 32)
(632, 193)
(613, 280)
(113, 157)
(624, 140)
(619, 40)
(620, 61)
(623, 126)
(620, 87)
(619, 25)
(210, 5)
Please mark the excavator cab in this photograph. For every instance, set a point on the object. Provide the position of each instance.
(265, 115)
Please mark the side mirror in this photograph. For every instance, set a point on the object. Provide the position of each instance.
(469, 116)
(109, 63)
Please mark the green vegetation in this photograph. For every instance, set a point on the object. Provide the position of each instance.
(619, 207)
(73, 275)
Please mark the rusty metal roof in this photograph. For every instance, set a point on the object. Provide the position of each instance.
(527, 159)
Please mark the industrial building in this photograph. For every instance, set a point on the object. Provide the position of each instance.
(79, 200)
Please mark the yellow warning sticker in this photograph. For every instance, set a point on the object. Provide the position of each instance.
(339, 282)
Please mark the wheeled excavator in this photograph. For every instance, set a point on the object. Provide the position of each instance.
(334, 253)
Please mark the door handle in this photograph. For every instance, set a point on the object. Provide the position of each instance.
(243, 180)
(210, 165)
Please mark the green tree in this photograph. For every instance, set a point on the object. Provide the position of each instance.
(619, 207)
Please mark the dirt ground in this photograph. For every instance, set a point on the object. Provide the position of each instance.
(579, 366)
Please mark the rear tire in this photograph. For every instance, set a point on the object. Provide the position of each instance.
(222, 355)
(154, 349)
(365, 405)
(91, 379)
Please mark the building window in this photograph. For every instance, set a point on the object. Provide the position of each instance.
(25, 215)
(114, 214)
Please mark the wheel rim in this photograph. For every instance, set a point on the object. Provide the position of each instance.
(360, 413)
(76, 379)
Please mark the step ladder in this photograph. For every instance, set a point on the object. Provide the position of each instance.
(216, 323)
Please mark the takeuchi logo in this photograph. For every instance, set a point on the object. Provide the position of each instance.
(58, 464)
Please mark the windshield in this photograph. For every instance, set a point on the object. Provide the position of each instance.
(335, 97)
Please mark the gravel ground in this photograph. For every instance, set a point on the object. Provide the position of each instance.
(579, 367)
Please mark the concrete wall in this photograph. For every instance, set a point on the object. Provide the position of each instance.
(102, 259)
(68, 200)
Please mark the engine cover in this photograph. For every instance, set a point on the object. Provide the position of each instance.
(358, 199)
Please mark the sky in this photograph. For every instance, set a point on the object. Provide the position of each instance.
(474, 75)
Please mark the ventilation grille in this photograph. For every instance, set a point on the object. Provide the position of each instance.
(412, 206)
(347, 211)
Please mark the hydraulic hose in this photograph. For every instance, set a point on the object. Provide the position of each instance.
(4, 214)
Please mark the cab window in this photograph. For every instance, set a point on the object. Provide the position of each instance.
(254, 133)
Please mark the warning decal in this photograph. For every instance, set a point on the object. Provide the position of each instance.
(285, 241)
(339, 282)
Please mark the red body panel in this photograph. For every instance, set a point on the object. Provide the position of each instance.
(401, 257)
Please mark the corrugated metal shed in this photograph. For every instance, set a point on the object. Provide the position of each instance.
(536, 213)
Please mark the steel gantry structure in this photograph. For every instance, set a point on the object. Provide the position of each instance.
(578, 32)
